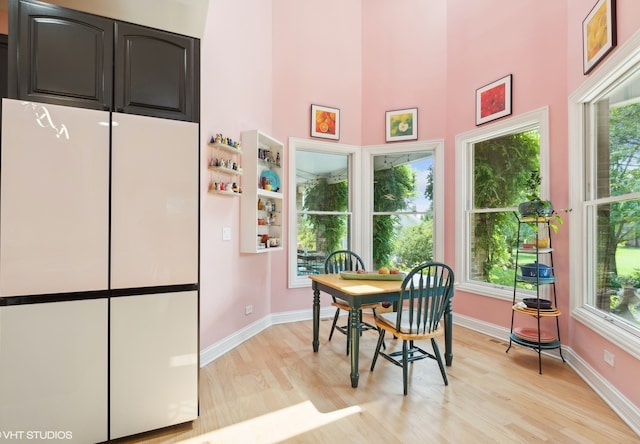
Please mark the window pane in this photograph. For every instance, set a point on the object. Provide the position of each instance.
(403, 240)
(322, 204)
(322, 181)
(319, 235)
(617, 276)
(618, 140)
(502, 169)
(403, 204)
(402, 182)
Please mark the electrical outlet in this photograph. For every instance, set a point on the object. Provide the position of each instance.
(609, 358)
(226, 234)
(248, 309)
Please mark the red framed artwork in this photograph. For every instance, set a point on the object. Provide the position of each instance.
(493, 101)
(325, 122)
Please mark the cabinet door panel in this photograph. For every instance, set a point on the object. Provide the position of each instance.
(54, 199)
(53, 370)
(64, 56)
(154, 361)
(155, 73)
(154, 209)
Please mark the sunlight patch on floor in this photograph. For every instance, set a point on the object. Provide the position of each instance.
(275, 426)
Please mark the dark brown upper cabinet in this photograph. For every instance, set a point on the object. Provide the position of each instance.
(155, 72)
(66, 57)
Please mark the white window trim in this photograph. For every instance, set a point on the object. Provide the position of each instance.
(369, 152)
(464, 142)
(355, 193)
(625, 58)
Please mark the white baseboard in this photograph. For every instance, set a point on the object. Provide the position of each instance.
(627, 411)
(218, 349)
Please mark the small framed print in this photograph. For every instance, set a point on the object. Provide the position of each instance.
(493, 101)
(598, 33)
(325, 122)
(402, 124)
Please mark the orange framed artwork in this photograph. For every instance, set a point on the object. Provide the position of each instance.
(325, 122)
(598, 33)
(493, 100)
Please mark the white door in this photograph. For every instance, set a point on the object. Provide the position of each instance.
(154, 361)
(53, 372)
(154, 217)
(54, 199)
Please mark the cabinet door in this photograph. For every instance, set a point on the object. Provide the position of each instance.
(154, 202)
(54, 199)
(61, 56)
(153, 361)
(156, 73)
(53, 371)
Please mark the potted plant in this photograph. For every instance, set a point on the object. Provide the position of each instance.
(538, 208)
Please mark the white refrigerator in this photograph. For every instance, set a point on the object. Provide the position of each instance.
(98, 271)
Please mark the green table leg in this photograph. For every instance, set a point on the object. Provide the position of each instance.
(316, 318)
(355, 344)
(448, 336)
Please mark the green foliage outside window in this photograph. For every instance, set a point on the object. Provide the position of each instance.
(330, 229)
(393, 190)
(502, 168)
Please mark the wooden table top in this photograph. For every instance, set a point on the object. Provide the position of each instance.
(356, 287)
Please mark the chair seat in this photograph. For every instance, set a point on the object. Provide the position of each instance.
(387, 321)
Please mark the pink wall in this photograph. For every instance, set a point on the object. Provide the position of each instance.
(483, 50)
(4, 22)
(236, 54)
(266, 62)
(317, 59)
(404, 65)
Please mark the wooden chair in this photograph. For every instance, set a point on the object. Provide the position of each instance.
(427, 290)
(345, 260)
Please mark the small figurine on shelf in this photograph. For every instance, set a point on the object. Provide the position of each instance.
(218, 138)
(278, 159)
(234, 187)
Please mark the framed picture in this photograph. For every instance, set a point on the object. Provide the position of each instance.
(598, 33)
(325, 122)
(493, 100)
(402, 124)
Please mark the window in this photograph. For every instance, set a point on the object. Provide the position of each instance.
(322, 203)
(496, 163)
(400, 220)
(605, 113)
(332, 188)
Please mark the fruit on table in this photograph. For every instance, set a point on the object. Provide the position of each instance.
(383, 270)
(360, 271)
(394, 271)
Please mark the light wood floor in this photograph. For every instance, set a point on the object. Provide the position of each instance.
(273, 389)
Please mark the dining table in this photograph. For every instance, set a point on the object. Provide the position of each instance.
(357, 292)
